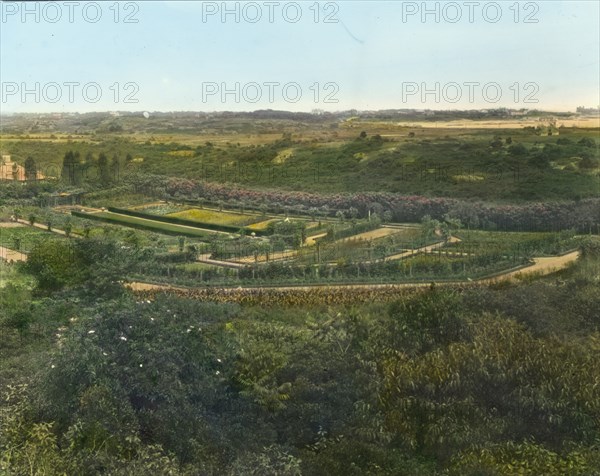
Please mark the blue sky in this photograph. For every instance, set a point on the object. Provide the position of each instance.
(182, 55)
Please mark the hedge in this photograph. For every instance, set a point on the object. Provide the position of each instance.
(157, 228)
(181, 221)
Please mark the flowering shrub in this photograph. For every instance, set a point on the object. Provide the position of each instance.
(582, 215)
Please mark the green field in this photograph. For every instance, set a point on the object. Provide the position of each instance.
(215, 217)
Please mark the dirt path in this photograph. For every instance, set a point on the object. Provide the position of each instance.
(10, 224)
(206, 259)
(45, 228)
(372, 234)
(541, 266)
(11, 255)
(311, 240)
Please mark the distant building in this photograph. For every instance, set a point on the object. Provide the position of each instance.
(10, 170)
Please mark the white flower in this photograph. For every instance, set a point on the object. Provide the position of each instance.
(92, 332)
(104, 354)
(141, 365)
(219, 360)
(217, 373)
(152, 319)
(188, 331)
(52, 366)
(123, 338)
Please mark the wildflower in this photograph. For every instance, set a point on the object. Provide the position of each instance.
(52, 366)
(123, 338)
(219, 360)
(92, 332)
(217, 373)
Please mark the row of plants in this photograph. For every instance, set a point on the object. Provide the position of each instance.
(143, 224)
(524, 244)
(424, 268)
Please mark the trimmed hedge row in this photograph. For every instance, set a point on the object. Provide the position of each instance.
(141, 226)
(181, 221)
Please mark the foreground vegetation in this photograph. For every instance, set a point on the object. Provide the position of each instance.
(453, 382)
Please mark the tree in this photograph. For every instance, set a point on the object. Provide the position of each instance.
(71, 168)
(115, 168)
(429, 227)
(17, 243)
(30, 169)
(103, 170)
(53, 263)
(32, 218)
(517, 150)
(449, 226)
(68, 227)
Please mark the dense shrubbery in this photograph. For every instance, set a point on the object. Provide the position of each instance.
(582, 215)
(440, 382)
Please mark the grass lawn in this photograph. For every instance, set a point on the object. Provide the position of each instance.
(215, 217)
(262, 225)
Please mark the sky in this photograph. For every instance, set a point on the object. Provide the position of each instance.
(298, 56)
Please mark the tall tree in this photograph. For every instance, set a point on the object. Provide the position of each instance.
(30, 169)
(71, 169)
(114, 168)
(103, 169)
